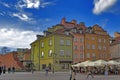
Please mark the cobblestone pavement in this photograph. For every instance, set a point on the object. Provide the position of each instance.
(50, 76)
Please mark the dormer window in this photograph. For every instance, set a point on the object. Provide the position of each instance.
(80, 30)
(74, 30)
(67, 33)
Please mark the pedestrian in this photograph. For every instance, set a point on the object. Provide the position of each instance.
(106, 71)
(9, 70)
(13, 69)
(53, 70)
(46, 70)
(4, 69)
(73, 74)
(90, 74)
(71, 70)
(0, 70)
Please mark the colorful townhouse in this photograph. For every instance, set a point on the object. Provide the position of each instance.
(53, 49)
(89, 43)
(76, 30)
(97, 43)
(115, 47)
(67, 43)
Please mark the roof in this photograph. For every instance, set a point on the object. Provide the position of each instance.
(10, 60)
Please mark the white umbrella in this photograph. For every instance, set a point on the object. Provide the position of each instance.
(82, 64)
(112, 62)
(100, 63)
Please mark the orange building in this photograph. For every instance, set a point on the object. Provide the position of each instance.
(115, 47)
(97, 43)
(77, 30)
(10, 60)
(89, 43)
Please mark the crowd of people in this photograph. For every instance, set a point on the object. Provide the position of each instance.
(3, 69)
(91, 71)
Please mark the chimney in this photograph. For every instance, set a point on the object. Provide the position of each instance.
(63, 20)
(116, 34)
(39, 36)
(82, 24)
(74, 22)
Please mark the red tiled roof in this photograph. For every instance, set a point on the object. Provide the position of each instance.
(10, 60)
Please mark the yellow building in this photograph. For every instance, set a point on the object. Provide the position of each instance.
(97, 43)
(53, 50)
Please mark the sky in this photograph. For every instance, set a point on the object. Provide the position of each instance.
(22, 20)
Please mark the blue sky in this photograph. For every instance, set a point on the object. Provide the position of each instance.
(21, 20)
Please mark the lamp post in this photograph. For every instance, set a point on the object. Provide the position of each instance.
(39, 56)
(32, 64)
(53, 62)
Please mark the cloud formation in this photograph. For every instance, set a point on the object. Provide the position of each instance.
(102, 5)
(29, 3)
(17, 38)
(21, 16)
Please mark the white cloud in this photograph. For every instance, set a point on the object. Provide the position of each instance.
(29, 3)
(21, 16)
(102, 5)
(33, 4)
(44, 4)
(17, 38)
(5, 4)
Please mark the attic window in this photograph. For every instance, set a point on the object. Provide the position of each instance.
(67, 33)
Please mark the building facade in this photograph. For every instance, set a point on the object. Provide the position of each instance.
(115, 47)
(89, 43)
(69, 42)
(97, 43)
(53, 50)
(76, 30)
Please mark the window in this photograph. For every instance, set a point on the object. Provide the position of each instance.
(88, 46)
(93, 38)
(75, 47)
(88, 55)
(81, 39)
(68, 53)
(93, 46)
(93, 55)
(67, 33)
(81, 55)
(104, 47)
(67, 42)
(74, 30)
(50, 53)
(81, 48)
(99, 40)
(80, 31)
(104, 40)
(75, 56)
(61, 42)
(61, 52)
(42, 54)
(75, 39)
(99, 47)
(50, 42)
(42, 44)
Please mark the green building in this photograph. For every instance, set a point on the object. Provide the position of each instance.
(53, 49)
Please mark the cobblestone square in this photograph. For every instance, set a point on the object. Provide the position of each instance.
(50, 76)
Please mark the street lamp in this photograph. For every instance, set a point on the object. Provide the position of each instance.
(54, 54)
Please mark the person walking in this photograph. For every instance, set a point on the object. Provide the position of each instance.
(73, 74)
(9, 69)
(71, 70)
(4, 69)
(13, 69)
(46, 70)
(90, 74)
